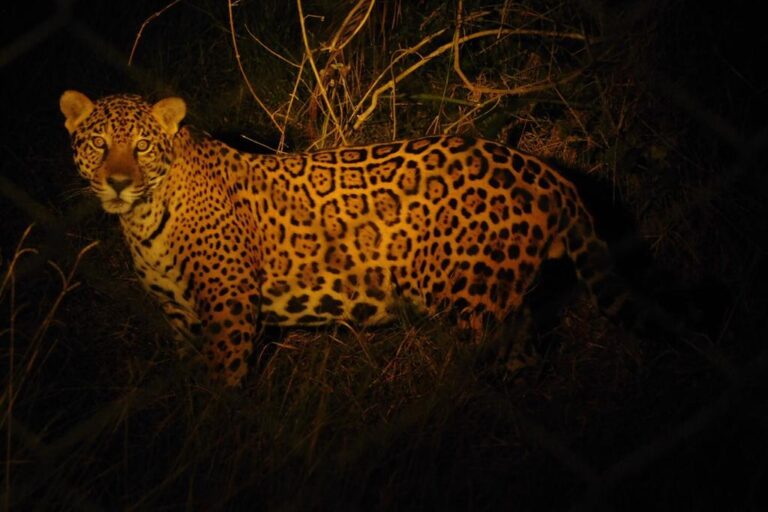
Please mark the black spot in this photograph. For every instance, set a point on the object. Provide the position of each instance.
(375, 293)
(297, 304)
(428, 158)
(513, 252)
(436, 189)
(478, 288)
(529, 177)
(461, 303)
(517, 162)
(459, 144)
(417, 146)
(459, 285)
(279, 288)
(575, 242)
(526, 195)
(329, 305)
(551, 220)
(310, 319)
(353, 155)
(506, 274)
(235, 307)
(481, 268)
(362, 311)
(502, 177)
(270, 317)
(582, 260)
(409, 183)
(214, 327)
(481, 169)
(534, 166)
(384, 150)
(521, 227)
(607, 292)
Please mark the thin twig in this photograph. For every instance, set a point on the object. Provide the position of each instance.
(281, 144)
(312, 64)
(270, 50)
(242, 70)
(144, 25)
(334, 46)
(472, 112)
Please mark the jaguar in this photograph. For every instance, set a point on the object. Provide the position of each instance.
(228, 241)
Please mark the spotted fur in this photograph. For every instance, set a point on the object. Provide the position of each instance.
(225, 239)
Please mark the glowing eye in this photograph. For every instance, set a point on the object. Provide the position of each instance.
(142, 145)
(98, 142)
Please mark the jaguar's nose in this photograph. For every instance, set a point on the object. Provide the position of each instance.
(119, 182)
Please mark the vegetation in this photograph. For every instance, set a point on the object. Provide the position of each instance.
(653, 108)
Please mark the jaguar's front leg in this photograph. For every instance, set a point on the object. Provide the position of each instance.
(229, 330)
(186, 327)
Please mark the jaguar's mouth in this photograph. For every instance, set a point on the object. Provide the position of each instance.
(116, 205)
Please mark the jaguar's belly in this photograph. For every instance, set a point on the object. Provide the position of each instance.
(363, 295)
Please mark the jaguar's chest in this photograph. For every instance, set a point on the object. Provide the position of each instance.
(157, 257)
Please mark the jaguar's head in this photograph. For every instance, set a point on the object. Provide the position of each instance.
(122, 144)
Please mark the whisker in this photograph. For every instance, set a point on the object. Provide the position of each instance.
(76, 192)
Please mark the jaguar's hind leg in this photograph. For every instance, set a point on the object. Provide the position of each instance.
(511, 344)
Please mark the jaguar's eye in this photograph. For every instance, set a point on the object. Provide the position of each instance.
(142, 145)
(98, 142)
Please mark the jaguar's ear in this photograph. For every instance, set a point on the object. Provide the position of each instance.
(170, 112)
(75, 106)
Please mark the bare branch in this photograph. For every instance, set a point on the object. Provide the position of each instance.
(144, 25)
(515, 91)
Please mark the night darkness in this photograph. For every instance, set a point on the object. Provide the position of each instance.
(656, 110)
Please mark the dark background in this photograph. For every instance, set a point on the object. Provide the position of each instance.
(665, 133)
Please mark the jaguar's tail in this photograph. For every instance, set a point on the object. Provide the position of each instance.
(611, 293)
